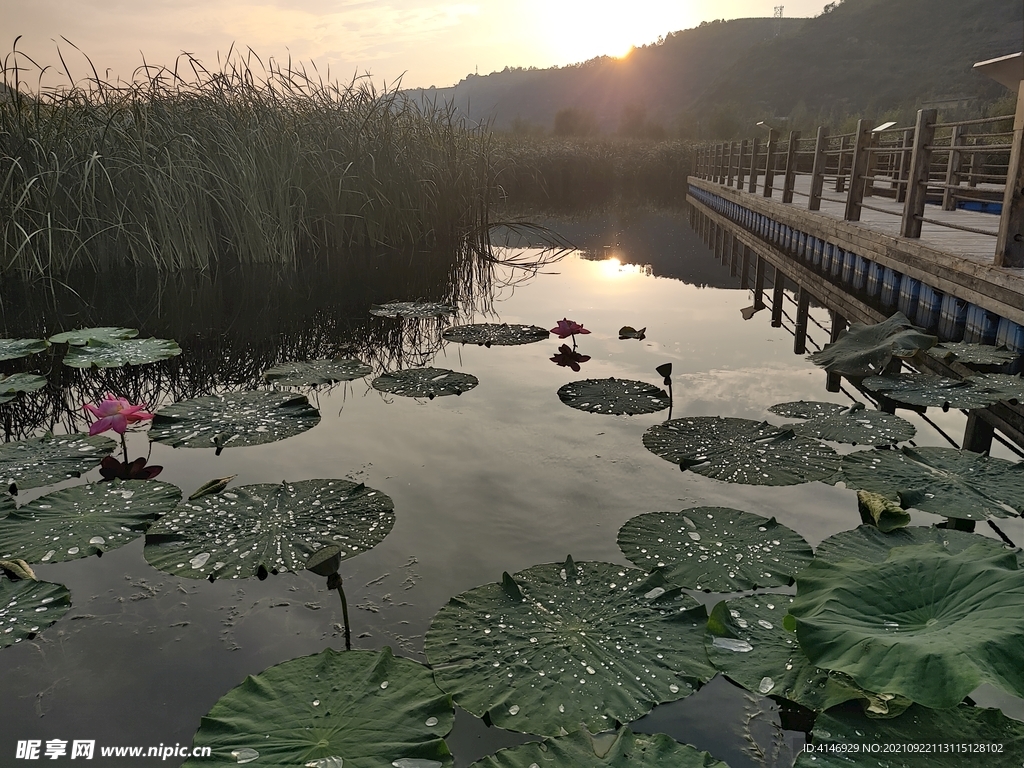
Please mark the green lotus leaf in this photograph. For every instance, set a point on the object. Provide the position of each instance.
(958, 737)
(314, 372)
(83, 336)
(425, 382)
(11, 385)
(943, 481)
(629, 332)
(858, 426)
(747, 642)
(617, 749)
(715, 549)
(28, 607)
(973, 354)
(411, 309)
(234, 419)
(741, 451)
(363, 709)
(865, 350)
(560, 644)
(615, 396)
(119, 352)
(12, 349)
(496, 334)
(881, 512)
(1003, 384)
(50, 459)
(807, 409)
(930, 390)
(867, 542)
(925, 624)
(83, 520)
(253, 530)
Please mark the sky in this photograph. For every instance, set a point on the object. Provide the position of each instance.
(419, 42)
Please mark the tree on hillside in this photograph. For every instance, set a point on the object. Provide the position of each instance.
(573, 121)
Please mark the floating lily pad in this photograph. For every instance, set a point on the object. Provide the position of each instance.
(807, 409)
(50, 459)
(973, 354)
(926, 624)
(82, 336)
(235, 419)
(866, 542)
(747, 642)
(411, 309)
(741, 451)
(314, 372)
(28, 606)
(629, 332)
(254, 530)
(12, 349)
(616, 749)
(425, 382)
(845, 737)
(928, 389)
(116, 353)
(715, 549)
(943, 481)
(560, 644)
(1008, 387)
(858, 426)
(11, 385)
(615, 396)
(83, 520)
(865, 350)
(497, 334)
(881, 512)
(360, 708)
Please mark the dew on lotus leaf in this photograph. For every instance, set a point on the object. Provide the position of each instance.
(74, 551)
(384, 685)
(514, 709)
(732, 644)
(244, 755)
(890, 624)
(431, 722)
(765, 685)
(674, 688)
(97, 540)
(316, 702)
(765, 624)
(415, 762)
(200, 560)
(326, 762)
(656, 592)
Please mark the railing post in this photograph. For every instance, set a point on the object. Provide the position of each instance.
(728, 172)
(920, 167)
(769, 165)
(871, 167)
(739, 165)
(719, 158)
(791, 160)
(904, 166)
(745, 269)
(840, 179)
(759, 266)
(1010, 243)
(956, 139)
(858, 169)
(778, 296)
(755, 155)
(818, 171)
(803, 303)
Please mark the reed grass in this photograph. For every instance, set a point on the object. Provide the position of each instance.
(252, 163)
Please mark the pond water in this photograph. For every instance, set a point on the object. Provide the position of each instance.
(499, 479)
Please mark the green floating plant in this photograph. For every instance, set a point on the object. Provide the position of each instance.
(425, 382)
(854, 424)
(14, 349)
(411, 309)
(866, 350)
(614, 396)
(28, 606)
(495, 334)
(11, 386)
(50, 459)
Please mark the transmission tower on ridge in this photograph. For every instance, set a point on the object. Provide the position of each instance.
(778, 20)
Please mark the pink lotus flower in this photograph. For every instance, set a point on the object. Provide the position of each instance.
(567, 328)
(115, 413)
(569, 358)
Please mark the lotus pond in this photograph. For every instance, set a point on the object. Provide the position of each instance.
(499, 471)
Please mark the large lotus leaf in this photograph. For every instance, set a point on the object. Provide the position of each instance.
(83, 336)
(11, 385)
(1004, 385)
(258, 529)
(314, 372)
(864, 350)
(926, 624)
(559, 644)
(973, 354)
(807, 409)
(83, 520)
(930, 390)
(858, 426)
(411, 309)
(616, 749)
(741, 451)
(715, 549)
(919, 738)
(425, 382)
(499, 334)
(615, 396)
(238, 418)
(50, 459)
(363, 709)
(943, 481)
(119, 352)
(28, 606)
(747, 642)
(12, 349)
(868, 543)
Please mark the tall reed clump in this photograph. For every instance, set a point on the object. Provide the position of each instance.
(247, 164)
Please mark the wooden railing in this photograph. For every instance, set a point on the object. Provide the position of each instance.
(969, 161)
